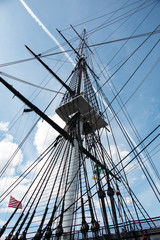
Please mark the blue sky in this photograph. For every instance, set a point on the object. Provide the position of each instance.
(19, 28)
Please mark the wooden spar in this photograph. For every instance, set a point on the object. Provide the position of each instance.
(81, 38)
(69, 43)
(81, 62)
(50, 70)
(37, 110)
(83, 42)
(51, 122)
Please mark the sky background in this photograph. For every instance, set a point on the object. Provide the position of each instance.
(37, 29)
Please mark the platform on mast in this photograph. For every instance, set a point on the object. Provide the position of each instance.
(88, 113)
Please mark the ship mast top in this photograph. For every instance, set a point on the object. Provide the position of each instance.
(85, 100)
(81, 61)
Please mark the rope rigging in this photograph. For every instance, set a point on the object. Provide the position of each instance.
(126, 114)
(126, 60)
(120, 18)
(133, 73)
(66, 51)
(137, 154)
(78, 186)
(28, 83)
(104, 15)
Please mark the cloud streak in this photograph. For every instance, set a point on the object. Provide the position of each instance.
(46, 31)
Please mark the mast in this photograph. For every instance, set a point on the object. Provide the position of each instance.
(71, 159)
(82, 106)
(81, 63)
(75, 161)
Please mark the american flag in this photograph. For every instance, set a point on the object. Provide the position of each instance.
(14, 203)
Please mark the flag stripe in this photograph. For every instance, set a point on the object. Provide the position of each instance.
(14, 203)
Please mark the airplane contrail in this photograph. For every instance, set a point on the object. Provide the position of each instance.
(46, 30)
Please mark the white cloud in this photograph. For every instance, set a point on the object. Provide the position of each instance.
(45, 134)
(128, 200)
(18, 192)
(7, 148)
(6, 210)
(122, 153)
(4, 126)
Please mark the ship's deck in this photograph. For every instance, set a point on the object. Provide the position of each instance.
(152, 232)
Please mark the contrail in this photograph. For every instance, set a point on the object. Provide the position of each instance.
(46, 30)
